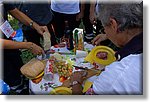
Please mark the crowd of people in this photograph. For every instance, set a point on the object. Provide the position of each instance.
(121, 23)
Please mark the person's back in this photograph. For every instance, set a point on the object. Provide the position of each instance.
(122, 77)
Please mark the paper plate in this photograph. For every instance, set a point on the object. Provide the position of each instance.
(61, 91)
(91, 57)
(41, 74)
(110, 57)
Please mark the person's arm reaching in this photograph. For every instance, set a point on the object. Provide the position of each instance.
(82, 8)
(98, 39)
(92, 16)
(9, 44)
(27, 21)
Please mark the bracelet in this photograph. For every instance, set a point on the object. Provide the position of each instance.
(31, 47)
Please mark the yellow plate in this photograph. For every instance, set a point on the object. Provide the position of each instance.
(110, 57)
(61, 91)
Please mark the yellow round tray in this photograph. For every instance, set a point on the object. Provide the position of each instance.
(110, 57)
(61, 91)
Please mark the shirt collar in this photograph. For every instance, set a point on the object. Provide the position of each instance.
(134, 46)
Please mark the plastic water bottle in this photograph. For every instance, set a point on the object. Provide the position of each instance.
(4, 88)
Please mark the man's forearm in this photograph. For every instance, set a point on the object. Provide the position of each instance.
(27, 21)
(82, 6)
(23, 18)
(20, 16)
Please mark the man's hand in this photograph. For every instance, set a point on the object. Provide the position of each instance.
(78, 76)
(92, 18)
(40, 29)
(98, 39)
(79, 16)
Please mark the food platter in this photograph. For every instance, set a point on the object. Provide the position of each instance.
(110, 57)
(92, 57)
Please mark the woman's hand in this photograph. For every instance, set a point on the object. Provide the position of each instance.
(35, 49)
(98, 39)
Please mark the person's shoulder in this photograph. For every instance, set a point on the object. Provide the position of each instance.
(132, 58)
(9, 6)
(128, 61)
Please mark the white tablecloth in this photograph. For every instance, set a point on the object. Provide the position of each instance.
(45, 86)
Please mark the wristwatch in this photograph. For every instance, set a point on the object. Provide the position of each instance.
(31, 23)
(74, 83)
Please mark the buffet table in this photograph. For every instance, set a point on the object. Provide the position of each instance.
(46, 86)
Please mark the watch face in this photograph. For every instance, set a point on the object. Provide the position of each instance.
(75, 82)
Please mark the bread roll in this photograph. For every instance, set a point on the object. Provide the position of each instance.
(33, 68)
(47, 41)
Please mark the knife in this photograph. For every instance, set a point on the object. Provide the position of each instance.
(43, 56)
(63, 53)
(86, 68)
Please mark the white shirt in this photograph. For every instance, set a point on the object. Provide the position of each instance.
(121, 77)
(65, 6)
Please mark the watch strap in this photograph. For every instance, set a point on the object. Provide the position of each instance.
(74, 83)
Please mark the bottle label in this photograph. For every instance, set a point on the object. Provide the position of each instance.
(78, 38)
(48, 72)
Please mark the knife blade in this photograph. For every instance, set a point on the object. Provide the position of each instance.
(86, 68)
(43, 56)
(63, 53)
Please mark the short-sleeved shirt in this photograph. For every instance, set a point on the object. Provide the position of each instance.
(12, 61)
(121, 77)
(38, 12)
(125, 75)
(7, 8)
(66, 7)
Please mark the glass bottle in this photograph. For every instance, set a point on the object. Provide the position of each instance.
(68, 36)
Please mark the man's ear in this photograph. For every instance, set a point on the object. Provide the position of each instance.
(114, 24)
